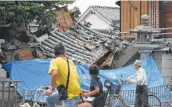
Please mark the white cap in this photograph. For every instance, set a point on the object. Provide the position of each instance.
(138, 62)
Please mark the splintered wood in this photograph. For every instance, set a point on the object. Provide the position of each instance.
(24, 54)
(64, 20)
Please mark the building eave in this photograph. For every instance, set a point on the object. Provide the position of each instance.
(163, 49)
(147, 46)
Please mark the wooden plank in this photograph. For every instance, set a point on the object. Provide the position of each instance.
(125, 16)
(130, 23)
(132, 18)
(64, 20)
(122, 17)
(144, 7)
(168, 7)
(157, 14)
(139, 12)
(168, 18)
(128, 16)
(135, 16)
(108, 61)
(68, 21)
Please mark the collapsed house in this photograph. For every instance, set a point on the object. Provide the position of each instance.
(83, 44)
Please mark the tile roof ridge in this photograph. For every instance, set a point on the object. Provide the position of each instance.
(110, 7)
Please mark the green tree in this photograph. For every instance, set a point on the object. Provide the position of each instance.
(23, 11)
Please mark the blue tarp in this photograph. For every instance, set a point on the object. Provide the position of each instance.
(33, 73)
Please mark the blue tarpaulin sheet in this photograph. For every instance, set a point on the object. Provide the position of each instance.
(33, 74)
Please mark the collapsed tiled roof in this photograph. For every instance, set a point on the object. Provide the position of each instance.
(85, 47)
(109, 13)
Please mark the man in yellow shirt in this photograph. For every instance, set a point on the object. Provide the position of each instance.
(58, 71)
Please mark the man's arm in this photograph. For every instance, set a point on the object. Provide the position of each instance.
(136, 78)
(53, 72)
(53, 82)
(94, 92)
(54, 78)
(94, 83)
(131, 78)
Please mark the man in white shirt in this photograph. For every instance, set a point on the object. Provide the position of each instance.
(141, 89)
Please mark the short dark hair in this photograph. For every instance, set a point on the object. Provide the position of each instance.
(59, 49)
(94, 70)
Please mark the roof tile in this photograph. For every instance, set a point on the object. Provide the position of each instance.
(109, 13)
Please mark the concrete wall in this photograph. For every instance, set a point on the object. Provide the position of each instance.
(164, 63)
(96, 21)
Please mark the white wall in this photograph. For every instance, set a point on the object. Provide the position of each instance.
(96, 21)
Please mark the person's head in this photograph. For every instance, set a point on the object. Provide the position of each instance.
(137, 64)
(59, 49)
(93, 70)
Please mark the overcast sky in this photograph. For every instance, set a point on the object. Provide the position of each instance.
(84, 4)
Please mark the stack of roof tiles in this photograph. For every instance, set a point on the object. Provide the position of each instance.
(85, 54)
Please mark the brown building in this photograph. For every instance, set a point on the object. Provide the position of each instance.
(160, 13)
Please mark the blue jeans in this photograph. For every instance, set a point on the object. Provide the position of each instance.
(72, 102)
(54, 99)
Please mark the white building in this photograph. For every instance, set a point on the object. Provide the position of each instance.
(101, 17)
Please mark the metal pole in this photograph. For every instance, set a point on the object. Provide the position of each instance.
(165, 28)
(9, 94)
(162, 34)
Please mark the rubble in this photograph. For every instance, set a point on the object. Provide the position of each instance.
(83, 45)
(75, 51)
(2, 41)
(3, 73)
